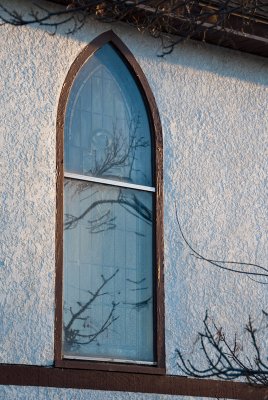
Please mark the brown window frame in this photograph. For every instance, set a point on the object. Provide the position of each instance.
(157, 160)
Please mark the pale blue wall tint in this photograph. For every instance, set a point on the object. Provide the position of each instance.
(107, 131)
(108, 236)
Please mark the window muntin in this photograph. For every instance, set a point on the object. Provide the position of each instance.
(108, 229)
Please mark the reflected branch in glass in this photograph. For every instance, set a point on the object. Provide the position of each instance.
(108, 233)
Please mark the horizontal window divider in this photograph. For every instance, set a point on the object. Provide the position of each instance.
(110, 182)
(117, 360)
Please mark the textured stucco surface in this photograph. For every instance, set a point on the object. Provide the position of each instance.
(32, 393)
(213, 105)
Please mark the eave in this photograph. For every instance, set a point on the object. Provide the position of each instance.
(250, 38)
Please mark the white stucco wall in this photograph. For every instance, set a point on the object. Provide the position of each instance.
(213, 105)
(40, 393)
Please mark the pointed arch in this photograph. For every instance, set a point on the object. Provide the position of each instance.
(157, 159)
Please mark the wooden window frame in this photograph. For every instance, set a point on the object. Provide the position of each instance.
(157, 160)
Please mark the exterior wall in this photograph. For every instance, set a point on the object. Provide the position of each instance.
(213, 106)
(33, 393)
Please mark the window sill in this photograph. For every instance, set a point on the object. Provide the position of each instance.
(110, 366)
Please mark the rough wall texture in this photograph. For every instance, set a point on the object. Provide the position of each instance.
(33, 393)
(213, 105)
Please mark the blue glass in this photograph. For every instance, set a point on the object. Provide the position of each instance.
(107, 130)
(108, 264)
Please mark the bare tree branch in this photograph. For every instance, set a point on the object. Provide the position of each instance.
(224, 357)
(226, 265)
(170, 20)
(72, 336)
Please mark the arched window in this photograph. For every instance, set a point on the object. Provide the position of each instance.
(109, 301)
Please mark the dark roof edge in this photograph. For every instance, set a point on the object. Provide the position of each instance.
(251, 39)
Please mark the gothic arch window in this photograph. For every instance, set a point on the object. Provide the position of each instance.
(109, 280)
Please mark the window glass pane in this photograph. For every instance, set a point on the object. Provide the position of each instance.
(107, 132)
(108, 297)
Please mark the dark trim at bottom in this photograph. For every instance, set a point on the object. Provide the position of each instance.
(23, 375)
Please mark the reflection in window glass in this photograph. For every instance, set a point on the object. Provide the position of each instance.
(108, 229)
(108, 272)
(107, 129)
